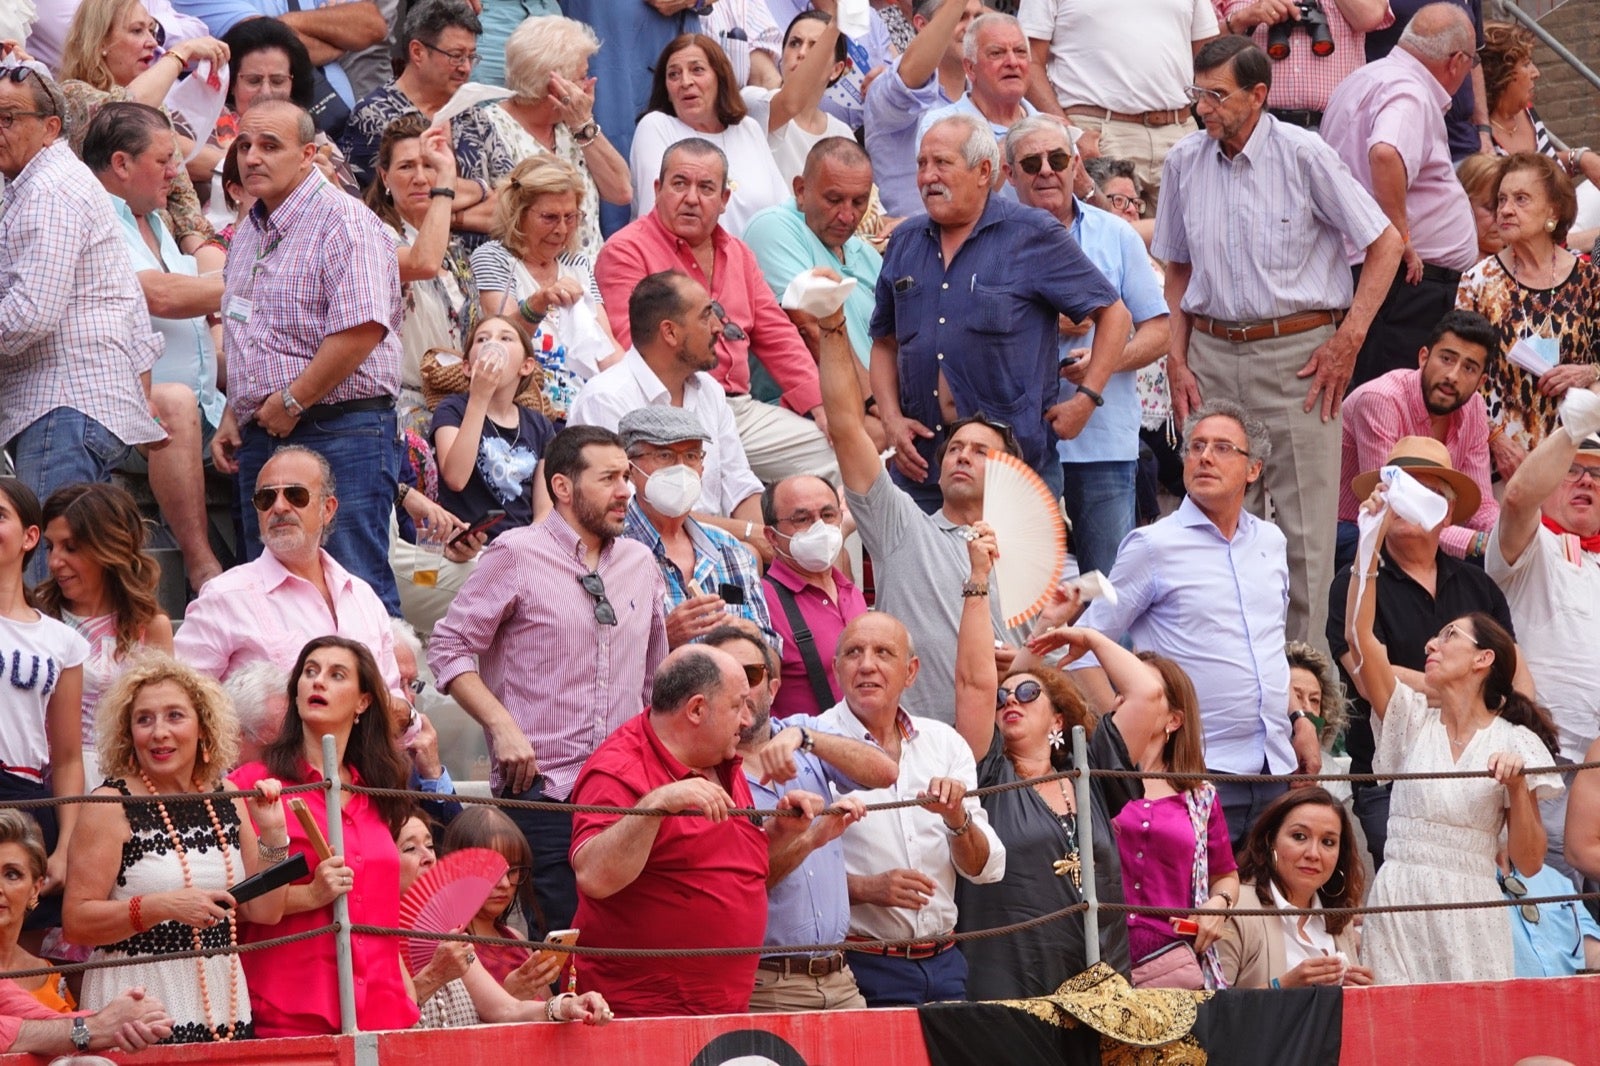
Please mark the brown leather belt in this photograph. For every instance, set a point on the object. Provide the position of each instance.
(1141, 118)
(1287, 326)
(804, 965)
(925, 950)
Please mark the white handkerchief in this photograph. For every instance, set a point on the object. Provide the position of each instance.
(1412, 500)
(468, 97)
(852, 18)
(1580, 414)
(16, 16)
(198, 98)
(816, 295)
(585, 341)
(1094, 585)
(1535, 354)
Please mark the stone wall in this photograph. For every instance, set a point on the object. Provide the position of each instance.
(1569, 105)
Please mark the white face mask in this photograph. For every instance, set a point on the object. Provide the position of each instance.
(813, 549)
(673, 490)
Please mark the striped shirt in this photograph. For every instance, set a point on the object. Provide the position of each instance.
(1268, 225)
(525, 624)
(74, 327)
(319, 264)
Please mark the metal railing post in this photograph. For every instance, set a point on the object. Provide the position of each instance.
(1091, 917)
(343, 958)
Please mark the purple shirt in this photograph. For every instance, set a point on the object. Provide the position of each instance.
(525, 624)
(825, 617)
(1395, 101)
(1155, 840)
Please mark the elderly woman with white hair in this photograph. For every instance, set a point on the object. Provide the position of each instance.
(552, 113)
(259, 693)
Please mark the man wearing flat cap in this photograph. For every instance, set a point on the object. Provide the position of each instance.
(708, 573)
(1419, 588)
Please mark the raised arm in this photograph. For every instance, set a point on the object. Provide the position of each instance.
(842, 401)
(804, 88)
(921, 59)
(1538, 476)
(1375, 676)
(976, 672)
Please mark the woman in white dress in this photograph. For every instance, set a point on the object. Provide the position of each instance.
(1444, 834)
(814, 58)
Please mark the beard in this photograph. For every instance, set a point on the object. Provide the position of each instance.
(760, 725)
(595, 518)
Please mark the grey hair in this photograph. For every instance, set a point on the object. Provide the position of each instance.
(1040, 123)
(1437, 32)
(969, 43)
(405, 633)
(979, 144)
(545, 45)
(330, 486)
(694, 148)
(250, 689)
(925, 9)
(1335, 708)
(427, 21)
(1103, 168)
(1255, 431)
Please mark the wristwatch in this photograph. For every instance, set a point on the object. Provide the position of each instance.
(1094, 397)
(291, 404)
(80, 1033)
(808, 743)
(1295, 716)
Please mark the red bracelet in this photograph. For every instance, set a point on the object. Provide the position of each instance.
(133, 914)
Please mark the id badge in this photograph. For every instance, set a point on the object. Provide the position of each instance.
(238, 310)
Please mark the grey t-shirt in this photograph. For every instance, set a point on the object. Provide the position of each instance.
(919, 562)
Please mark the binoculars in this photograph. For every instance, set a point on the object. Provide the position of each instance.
(1313, 20)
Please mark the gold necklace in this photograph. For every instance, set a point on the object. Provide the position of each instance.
(1070, 864)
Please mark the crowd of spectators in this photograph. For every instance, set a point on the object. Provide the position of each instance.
(535, 396)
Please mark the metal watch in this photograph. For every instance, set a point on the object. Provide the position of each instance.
(1295, 716)
(80, 1033)
(808, 743)
(292, 405)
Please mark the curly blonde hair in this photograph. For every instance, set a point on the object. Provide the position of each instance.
(219, 725)
(536, 176)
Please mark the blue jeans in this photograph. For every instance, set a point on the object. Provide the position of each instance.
(1243, 803)
(1370, 802)
(361, 450)
(1099, 499)
(64, 447)
(887, 981)
(549, 833)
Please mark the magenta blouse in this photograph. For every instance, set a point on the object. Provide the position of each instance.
(1157, 844)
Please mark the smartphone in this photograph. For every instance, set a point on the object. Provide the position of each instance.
(487, 522)
(733, 595)
(1186, 926)
(562, 936)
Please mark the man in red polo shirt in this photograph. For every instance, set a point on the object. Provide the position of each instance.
(675, 882)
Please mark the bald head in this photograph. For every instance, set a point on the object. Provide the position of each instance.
(1440, 33)
(294, 117)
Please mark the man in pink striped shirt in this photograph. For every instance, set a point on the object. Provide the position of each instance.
(552, 643)
(1438, 399)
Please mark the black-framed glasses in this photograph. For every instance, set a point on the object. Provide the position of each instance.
(1025, 692)
(267, 495)
(1516, 888)
(1058, 158)
(459, 59)
(730, 329)
(1578, 471)
(416, 686)
(516, 875)
(604, 613)
(755, 673)
(1122, 203)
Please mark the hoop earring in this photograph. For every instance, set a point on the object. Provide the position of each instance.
(1340, 890)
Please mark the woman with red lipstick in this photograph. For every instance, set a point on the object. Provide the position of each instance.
(1444, 834)
(151, 879)
(1302, 843)
(335, 690)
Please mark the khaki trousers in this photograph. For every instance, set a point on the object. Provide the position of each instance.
(1146, 146)
(792, 992)
(780, 443)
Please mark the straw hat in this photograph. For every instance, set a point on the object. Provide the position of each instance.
(1426, 456)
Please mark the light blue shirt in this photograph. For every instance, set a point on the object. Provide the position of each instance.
(1552, 946)
(1112, 432)
(1217, 608)
(965, 106)
(812, 904)
(785, 248)
(188, 356)
(892, 111)
(220, 16)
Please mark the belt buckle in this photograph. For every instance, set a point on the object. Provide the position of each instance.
(1237, 334)
(819, 965)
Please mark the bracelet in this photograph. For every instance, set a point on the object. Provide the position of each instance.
(749, 530)
(532, 317)
(134, 917)
(872, 401)
(1094, 397)
(552, 1008)
(832, 331)
(272, 854)
(1226, 898)
(183, 64)
(1484, 128)
(401, 491)
(961, 830)
(972, 588)
(1294, 718)
(442, 190)
(1274, 982)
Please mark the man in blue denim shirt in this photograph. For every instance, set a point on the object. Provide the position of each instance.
(968, 309)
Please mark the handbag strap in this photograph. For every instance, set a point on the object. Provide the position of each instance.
(1199, 802)
(821, 691)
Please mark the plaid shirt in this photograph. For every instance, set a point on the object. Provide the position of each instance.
(74, 327)
(719, 559)
(1304, 82)
(320, 264)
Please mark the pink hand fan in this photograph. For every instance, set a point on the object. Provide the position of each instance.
(445, 898)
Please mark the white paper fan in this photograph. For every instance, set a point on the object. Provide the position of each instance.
(1029, 532)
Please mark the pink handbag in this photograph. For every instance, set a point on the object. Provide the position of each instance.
(1174, 966)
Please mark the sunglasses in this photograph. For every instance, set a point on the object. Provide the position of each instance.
(1058, 159)
(604, 613)
(267, 495)
(1026, 692)
(755, 673)
(730, 329)
(1516, 889)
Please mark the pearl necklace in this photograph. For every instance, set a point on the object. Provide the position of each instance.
(226, 1031)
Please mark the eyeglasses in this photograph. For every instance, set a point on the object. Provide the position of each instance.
(807, 519)
(457, 59)
(665, 457)
(518, 874)
(730, 329)
(416, 686)
(1211, 97)
(1058, 159)
(755, 673)
(267, 495)
(1224, 449)
(1122, 203)
(735, 34)
(551, 219)
(1026, 692)
(604, 613)
(1452, 631)
(7, 118)
(1516, 889)
(1578, 471)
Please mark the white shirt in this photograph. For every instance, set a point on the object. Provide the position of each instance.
(1133, 56)
(913, 838)
(727, 479)
(1553, 590)
(790, 143)
(1312, 942)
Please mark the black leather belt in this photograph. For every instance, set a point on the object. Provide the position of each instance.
(318, 412)
(1303, 118)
